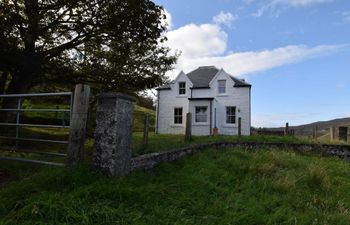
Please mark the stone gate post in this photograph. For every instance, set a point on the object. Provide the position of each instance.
(113, 134)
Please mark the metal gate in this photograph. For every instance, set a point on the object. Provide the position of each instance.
(18, 125)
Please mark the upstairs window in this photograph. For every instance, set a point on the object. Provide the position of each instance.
(231, 114)
(182, 88)
(201, 114)
(221, 86)
(177, 115)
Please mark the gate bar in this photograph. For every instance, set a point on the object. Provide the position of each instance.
(32, 161)
(36, 110)
(33, 125)
(35, 95)
(34, 139)
(9, 149)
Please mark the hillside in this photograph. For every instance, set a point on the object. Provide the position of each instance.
(139, 115)
(322, 126)
(231, 186)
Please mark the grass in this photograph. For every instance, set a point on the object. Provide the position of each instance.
(163, 142)
(229, 186)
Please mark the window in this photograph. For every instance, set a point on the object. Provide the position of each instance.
(221, 86)
(231, 114)
(182, 88)
(177, 115)
(201, 114)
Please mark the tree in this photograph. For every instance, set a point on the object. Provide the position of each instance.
(111, 44)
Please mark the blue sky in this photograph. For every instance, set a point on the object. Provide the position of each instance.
(295, 53)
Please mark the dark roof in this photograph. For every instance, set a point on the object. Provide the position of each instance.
(164, 87)
(239, 82)
(202, 76)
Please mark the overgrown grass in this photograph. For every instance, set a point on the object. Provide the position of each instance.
(163, 142)
(229, 186)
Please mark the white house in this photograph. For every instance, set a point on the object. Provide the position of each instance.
(214, 97)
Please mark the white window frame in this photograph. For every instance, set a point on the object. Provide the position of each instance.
(220, 87)
(228, 121)
(206, 114)
(182, 88)
(178, 115)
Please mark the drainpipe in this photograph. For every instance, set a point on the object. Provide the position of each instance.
(211, 117)
(157, 117)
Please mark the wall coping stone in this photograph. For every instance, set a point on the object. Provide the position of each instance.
(116, 95)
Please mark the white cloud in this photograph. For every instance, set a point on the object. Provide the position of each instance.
(206, 44)
(300, 3)
(274, 5)
(198, 40)
(244, 63)
(224, 18)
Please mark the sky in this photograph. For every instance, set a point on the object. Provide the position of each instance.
(295, 53)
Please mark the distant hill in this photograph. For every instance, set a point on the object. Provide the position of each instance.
(139, 115)
(322, 126)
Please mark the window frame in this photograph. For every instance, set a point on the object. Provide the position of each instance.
(182, 88)
(196, 116)
(229, 115)
(219, 87)
(178, 116)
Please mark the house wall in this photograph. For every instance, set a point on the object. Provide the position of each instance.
(234, 96)
(200, 128)
(167, 101)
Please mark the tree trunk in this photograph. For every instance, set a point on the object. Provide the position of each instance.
(3, 80)
(19, 84)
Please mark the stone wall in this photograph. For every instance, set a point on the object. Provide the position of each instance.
(149, 161)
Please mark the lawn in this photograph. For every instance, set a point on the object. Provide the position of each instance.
(229, 186)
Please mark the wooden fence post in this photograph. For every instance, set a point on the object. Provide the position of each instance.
(239, 126)
(286, 129)
(188, 134)
(314, 132)
(332, 133)
(77, 131)
(145, 129)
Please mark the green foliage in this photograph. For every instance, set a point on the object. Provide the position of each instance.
(91, 41)
(229, 186)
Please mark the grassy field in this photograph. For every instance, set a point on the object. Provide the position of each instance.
(229, 186)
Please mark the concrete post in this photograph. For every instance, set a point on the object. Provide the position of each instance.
(145, 129)
(77, 133)
(239, 126)
(113, 134)
(188, 134)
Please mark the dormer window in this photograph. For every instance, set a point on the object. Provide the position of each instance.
(182, 88)
(221, 86)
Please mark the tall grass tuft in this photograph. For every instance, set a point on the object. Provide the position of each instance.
(317, 177)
